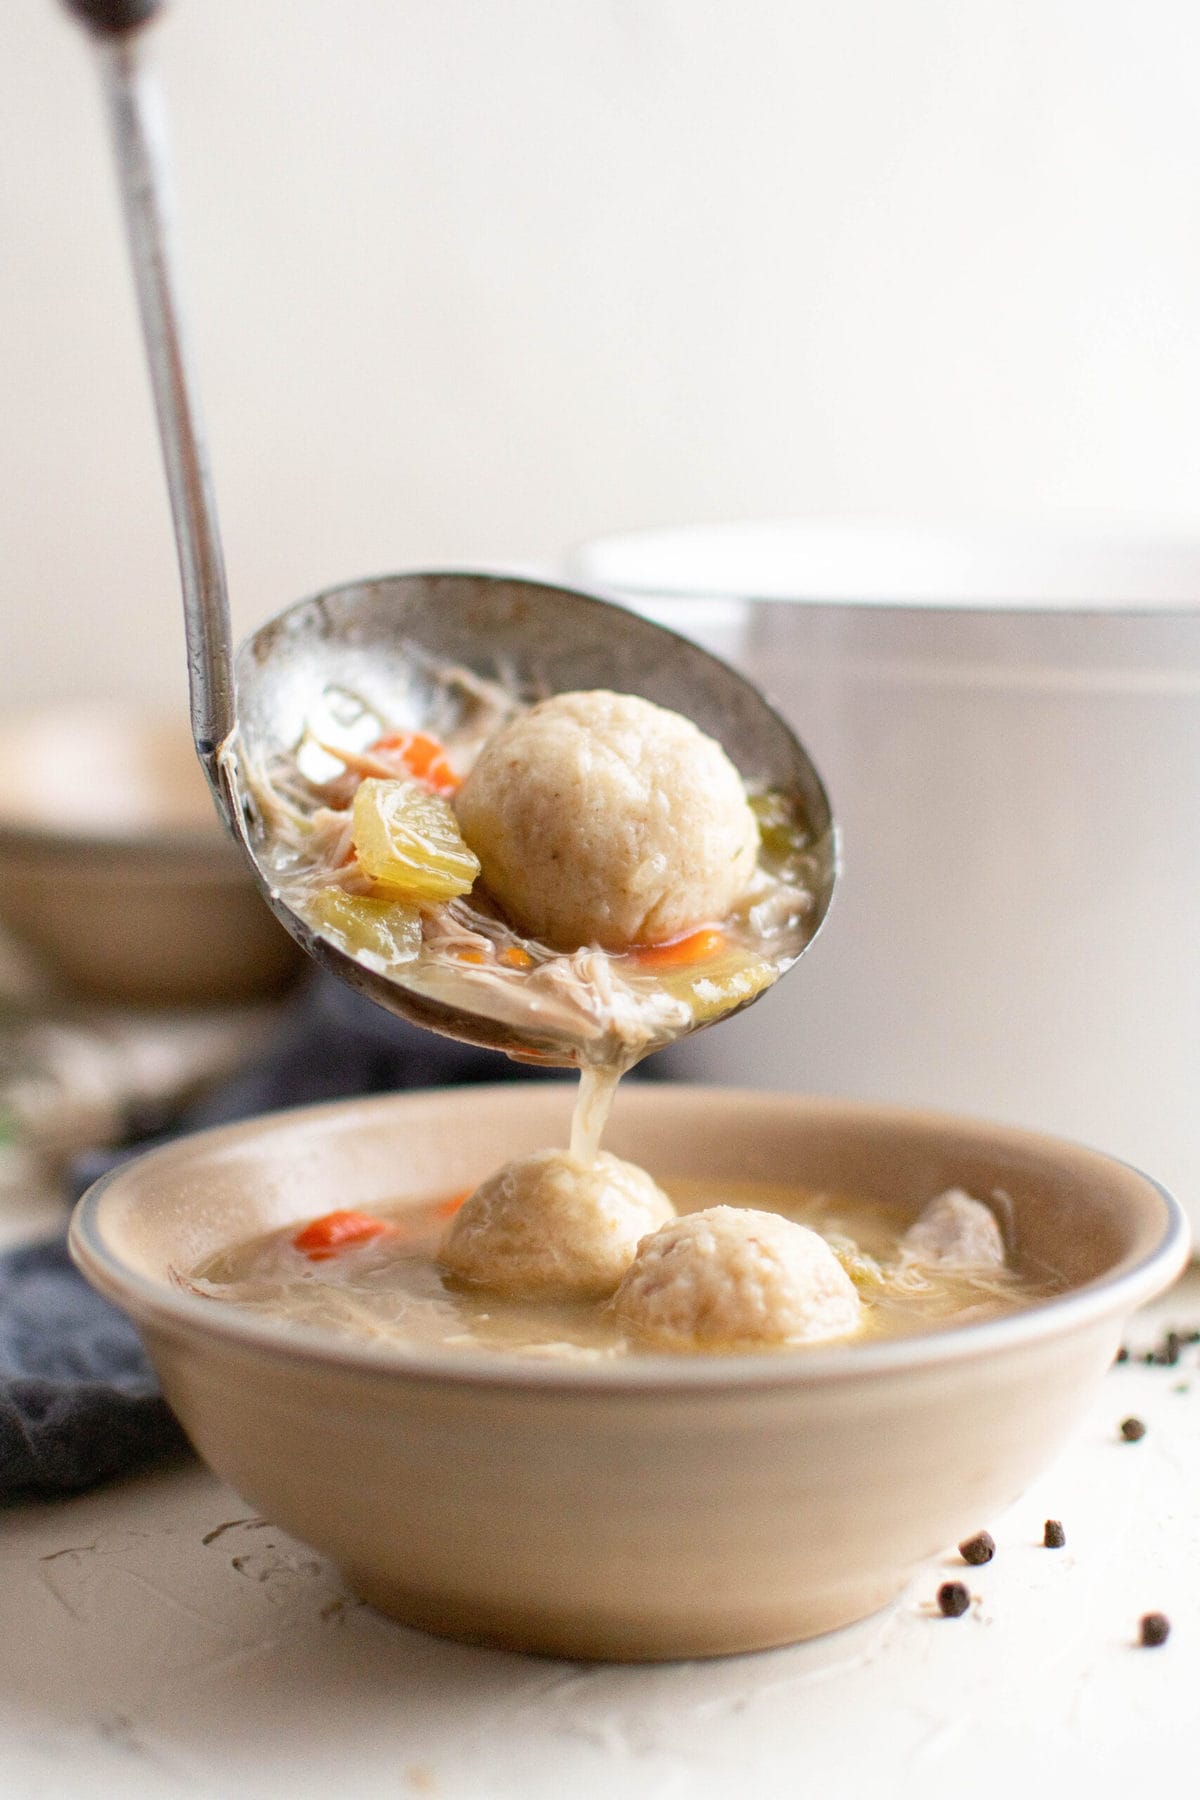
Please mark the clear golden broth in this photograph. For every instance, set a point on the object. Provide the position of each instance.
(392, 1289)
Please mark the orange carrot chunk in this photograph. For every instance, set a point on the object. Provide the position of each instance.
(324, 1237)
(446, 1209)
(422, 756)
(681, 953)
(515, 957)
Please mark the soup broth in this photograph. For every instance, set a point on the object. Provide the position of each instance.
(392, 1290)
(447, 939)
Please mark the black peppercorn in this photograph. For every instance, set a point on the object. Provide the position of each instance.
(953, 1599)
(1054, 1537)
(978, 1549)
(1132, 1430)
(1155, 1629)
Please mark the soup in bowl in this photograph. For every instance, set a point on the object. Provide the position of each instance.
(501, 1481)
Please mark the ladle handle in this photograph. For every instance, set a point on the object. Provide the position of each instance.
(139, 141)
(109, 18)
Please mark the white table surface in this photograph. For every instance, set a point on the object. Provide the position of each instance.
(156, 1639)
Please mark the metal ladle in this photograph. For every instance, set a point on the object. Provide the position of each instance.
(384, 638)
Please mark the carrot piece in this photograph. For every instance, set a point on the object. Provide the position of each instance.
(699, 946)
(446, 1209)
(322, 1238)
(515, 957)
(470, 956)
(422, 756)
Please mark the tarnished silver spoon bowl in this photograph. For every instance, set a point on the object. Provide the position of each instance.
(384, 640)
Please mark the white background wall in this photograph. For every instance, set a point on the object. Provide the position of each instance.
(472, 281)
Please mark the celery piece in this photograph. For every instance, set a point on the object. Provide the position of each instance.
(408, 839)
(781, 831)
(726, 980)
(389, 929)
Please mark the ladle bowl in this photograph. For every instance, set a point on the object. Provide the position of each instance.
(384, 640)
(382, 643)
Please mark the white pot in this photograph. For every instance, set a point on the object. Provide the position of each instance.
(1009, 726)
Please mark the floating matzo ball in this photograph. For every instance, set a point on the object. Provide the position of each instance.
(734, 1278)
(549, 1224)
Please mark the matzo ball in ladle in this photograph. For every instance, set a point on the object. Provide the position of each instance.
(600, 818)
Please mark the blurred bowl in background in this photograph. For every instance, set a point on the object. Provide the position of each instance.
(1008, 722)
(115, 870)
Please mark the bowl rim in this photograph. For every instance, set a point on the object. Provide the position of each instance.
(153, 1301)
(197, 836)
(1066, 565)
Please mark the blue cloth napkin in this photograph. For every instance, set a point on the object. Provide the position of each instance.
(78, 1400)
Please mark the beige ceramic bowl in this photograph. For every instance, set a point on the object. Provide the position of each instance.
(115, 870)
(663, 1506)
